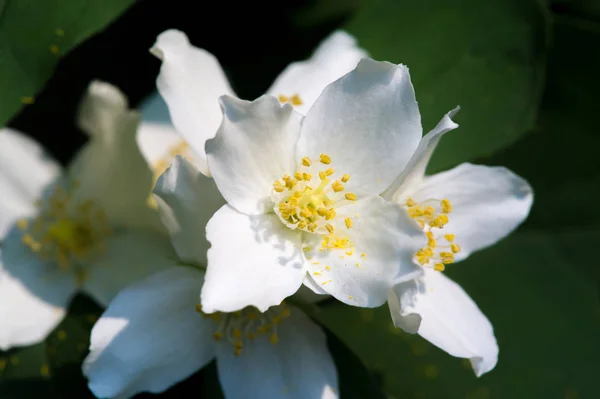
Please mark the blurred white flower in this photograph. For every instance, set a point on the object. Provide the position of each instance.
(191, 82)
(154, 335)
(85, 229)
(461, 210)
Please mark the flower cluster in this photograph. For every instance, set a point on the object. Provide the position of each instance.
(204, 240)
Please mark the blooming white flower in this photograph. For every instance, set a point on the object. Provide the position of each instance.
(154, 334)
(461, 210)
(303, 194)
(191, 82)
(87, 228)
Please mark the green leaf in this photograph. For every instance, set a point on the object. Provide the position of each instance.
(546, 318)
(560, 159)
(24, 373)
(34, 35)
(355, 380)
(486, 56)
(68, 345)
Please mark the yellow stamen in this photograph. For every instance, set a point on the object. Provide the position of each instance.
(325, 159)
(345, 178)
(337, 186)
(350, 196)
(348, 222)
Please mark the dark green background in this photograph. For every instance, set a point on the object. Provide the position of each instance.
(526, 74)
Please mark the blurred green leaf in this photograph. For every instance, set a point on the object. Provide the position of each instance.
(68, 345)
(588, 9)
(546, 318)
(355, 380)
(35, 34)
(486, 56)
(560, 159)
(24, 373)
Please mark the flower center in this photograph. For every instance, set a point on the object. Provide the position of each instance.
(308, 201)
(247, 324)
(295, 100)
(432, 216)
(66, 231)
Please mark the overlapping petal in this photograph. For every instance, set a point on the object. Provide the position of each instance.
(33, 294)
(254, 146)
(382, 244)
(187, 200)
(414, 172)
(110, 169)
(442, 313)
(25, 170)
(128, 256)
(337, 55)
(150, 337)
(488, 203)
(191, 82)
(298, 366)
(368, 122)
(253, 261)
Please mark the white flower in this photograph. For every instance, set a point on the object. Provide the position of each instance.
(191, 82)
(303, 195)
(154, 335)
(85, 229)
(461, 210)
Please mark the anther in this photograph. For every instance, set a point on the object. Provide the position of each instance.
(325, 159)
(446, 206)
(350, 196)
(440, 267)
(329, 228)
(337, 186)
(306, 161)
(345, 178)
(348, 222)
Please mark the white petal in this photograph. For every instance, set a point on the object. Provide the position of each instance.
(110, 168)
(253, 261)
(368, 122)
(337, 55)
(187, 200)
(25, 170)
(191, 82)
(160, 143)
(150, 337)
(448, 318)
(129, 256)
(253, 148)
(299, 366)
(34, 294)
(487, 203)
(415, 170)
(384, 241)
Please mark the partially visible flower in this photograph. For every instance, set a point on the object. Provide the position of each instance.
(303, 196)
(191, 82)
(155, 334)
(461, 211)
(86, 229)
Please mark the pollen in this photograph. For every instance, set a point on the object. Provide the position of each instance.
(337, 186)
(432, 216)
(66, 231)
(324, 159)
(348, 222)
(306, 161)
(247, 324)
(350, 196)
(345, 178)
